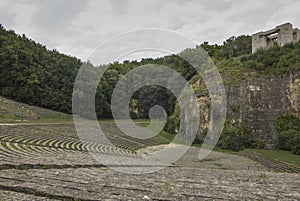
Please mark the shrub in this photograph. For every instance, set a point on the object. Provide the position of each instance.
(172, 124)
(296, 144)
(288, 130)
(258, 143)
(286, 138)
(237, 137)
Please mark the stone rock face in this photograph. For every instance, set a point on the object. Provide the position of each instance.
(257, 103)
(294, 95)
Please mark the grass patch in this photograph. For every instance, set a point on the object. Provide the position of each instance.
(8, 118)
(4, 145)
(166, 187)
(280, 155)
(11, 118)
(167, 135)
(142, 123)
(164, 134)
(46, 167)
(53, 119)
(226, 151)
(197, 145)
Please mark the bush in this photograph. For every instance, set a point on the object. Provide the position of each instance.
(286, 138)
(275, 59)
(288, 130)
(258, 143)
(296, 145)
(237, 137)
(197, 140)
(172, 124)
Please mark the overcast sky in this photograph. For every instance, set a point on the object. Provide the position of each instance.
(77, 27)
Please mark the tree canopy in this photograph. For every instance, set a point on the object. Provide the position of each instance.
(31, 73)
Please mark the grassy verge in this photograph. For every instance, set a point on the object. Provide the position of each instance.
(42, 119)
(9, 118)
(226, 151)
(197, 145)
(279, 155)
(55, 119)
(217, 149)
(164, 134)
(143, 123)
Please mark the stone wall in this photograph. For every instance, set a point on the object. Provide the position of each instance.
(257, 103)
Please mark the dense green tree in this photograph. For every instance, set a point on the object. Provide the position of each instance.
(231, 48)
(288, 130)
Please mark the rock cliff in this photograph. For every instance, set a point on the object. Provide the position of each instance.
(257, 103)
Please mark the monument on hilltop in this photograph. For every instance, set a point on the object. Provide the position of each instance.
(282, 34)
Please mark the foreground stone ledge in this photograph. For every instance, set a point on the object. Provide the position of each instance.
(170, 184)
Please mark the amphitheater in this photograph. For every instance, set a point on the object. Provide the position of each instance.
(49, 162)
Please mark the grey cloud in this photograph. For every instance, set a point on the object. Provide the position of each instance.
(120, 7)
(77, 27)
(54, 16)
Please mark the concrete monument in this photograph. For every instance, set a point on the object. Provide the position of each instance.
(282, 34)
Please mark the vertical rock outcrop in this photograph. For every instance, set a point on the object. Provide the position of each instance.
(257, 103)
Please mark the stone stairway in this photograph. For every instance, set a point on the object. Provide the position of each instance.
(271, 164)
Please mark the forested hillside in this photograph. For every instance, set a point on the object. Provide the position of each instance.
(32, 74)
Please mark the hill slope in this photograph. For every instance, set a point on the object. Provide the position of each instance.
(12, 111)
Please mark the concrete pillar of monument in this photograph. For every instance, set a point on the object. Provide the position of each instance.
(296, 35)
(285, 34)
(259, 40)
